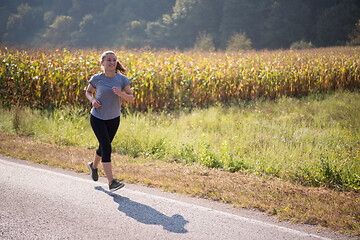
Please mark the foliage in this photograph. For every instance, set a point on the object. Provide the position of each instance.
(171, 80)
(21, 26)
(59, 32)
(354, 36)
(301, 45)
(335, 24)
(176, 24)
(238, 41)
(204, 42)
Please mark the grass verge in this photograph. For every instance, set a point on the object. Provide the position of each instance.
(336, 210)
(313, 141)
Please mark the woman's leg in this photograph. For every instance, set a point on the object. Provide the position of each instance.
(108, 171)
(105, 131)
(96, 161)
(112, 127)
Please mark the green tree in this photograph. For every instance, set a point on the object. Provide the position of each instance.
(88, 33)
(247, 17)
(22, 26)
(301, 45)
(60, 7)
(336, 23)
(354, 36)
(3, 20)
(80, 8)
(140, 18)
(135, 35)
(191, 17)
(238, 42)
(287, 22)
(182, 32)
(177, 23)
(59, 33)
(316, 8)
(158, 32)
(204, 42)
(149, 11)
(230, 22)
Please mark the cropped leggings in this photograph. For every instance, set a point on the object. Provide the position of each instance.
(105, 131)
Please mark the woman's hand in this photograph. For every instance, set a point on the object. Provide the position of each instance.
(95, 103)
(116, 91)
(127, 95)
(90, 95)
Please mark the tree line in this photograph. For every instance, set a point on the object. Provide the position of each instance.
(180, 24)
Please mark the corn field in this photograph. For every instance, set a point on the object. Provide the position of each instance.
(166, 80)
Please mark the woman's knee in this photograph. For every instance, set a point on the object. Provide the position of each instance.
(98, 152)
(105, 153)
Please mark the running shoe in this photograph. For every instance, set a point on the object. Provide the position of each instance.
(93, 172)
(115, 185)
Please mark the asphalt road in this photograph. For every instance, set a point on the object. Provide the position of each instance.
(38, 202)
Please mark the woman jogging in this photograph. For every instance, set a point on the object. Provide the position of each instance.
(110, 87)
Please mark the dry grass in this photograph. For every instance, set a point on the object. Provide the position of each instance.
(328, 208)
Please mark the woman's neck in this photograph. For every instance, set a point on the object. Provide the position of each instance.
(110, 74)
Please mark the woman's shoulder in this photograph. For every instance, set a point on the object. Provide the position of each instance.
(98, 75)
(122, 77)
(95, 77)
(119, 75)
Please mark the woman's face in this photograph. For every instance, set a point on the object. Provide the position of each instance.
(109, 62)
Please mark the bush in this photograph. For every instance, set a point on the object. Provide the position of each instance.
(354, 36)
(239, 41)
(301, 45)
(204, 42)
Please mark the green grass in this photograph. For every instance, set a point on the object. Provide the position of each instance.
(312, 140)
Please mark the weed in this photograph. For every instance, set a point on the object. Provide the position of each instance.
(330, 174)
(16, 120)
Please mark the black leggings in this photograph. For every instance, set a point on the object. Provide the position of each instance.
(105, 131)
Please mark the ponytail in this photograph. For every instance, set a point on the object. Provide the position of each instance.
(120, 68)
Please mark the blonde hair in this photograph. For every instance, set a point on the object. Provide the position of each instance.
(119, 66)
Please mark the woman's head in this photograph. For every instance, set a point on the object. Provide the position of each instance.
(109, 57)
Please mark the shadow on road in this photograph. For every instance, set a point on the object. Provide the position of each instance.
(147, 215)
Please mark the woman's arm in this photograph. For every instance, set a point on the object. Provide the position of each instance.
(126, 94)
(90, 90)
